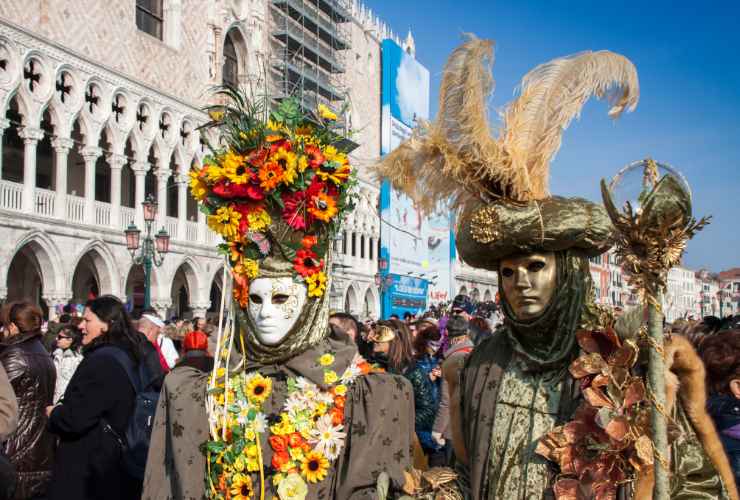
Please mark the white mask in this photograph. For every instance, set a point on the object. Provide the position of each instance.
(274, 307)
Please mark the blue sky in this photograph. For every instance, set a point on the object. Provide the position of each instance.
(686, 54)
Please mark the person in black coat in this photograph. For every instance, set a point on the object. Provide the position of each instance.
(95, 409)
(30, 448)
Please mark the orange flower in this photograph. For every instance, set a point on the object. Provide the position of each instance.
(323, 207)
(279, 443)
(337, 416)
(364, 367)
(270, 176)
(339, 401)
(280, 459)
(309, 242)
(295, 440)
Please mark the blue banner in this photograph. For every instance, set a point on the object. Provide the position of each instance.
(405, 294)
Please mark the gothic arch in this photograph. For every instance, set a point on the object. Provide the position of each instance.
(48, 257)
(108, 273)
(370, 303)
(236, 35)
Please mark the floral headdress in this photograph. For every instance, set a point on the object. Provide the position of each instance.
(276, 188)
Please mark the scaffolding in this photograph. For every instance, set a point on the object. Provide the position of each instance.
(308, 41)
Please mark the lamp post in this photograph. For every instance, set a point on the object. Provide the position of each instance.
(153, 249)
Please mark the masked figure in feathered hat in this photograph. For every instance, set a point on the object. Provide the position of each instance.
(550, 406)
(291, 410)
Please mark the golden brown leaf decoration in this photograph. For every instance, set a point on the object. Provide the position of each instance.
(597, 398)
(588, 364)
(568, 489)
(438, 476)
(635, 393)
(625, 356)
(644, 450)
(617, 428)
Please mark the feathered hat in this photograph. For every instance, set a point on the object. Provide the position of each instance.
(499, 185)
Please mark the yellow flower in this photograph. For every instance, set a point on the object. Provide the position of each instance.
(337, 176)
(316, 284)
(241, 487)
(225, 222)
(198, 188)
(253, 465)
(274, 126)
(239, 464)
(314, 466)
(288, 162)
(296, 454)
(250, 435)
(326, 113)
(326, 359)
(258, 220)
(285, 426)
(216, 116)
(340, 390)
(321, 407)
(303, 131)
(258, 389)
(302, 163)
(247, 267)
(292, 487)
(252, 451)
(332, 154)
(214, 173)
(235, 168)
(330, 377)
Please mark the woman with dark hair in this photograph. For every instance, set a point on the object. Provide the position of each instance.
(66, 357)
(721, 356)
(30, 448)
(392, 348)
(195, 352)
(425, 377)
(97, 403)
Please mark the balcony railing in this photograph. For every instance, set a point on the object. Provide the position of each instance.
(75, 209)
(11, 195)
(45, 204)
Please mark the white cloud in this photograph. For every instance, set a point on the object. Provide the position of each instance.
(412, 84)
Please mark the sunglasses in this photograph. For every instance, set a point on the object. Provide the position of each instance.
(63, 337)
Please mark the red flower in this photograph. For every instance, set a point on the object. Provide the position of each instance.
(337, 416)
(228, 190)
(283, 143)
(294, 211)
(318, 186)
(245, 209)
(257, 158)
(306, 263)
(315, 156)
(279, 443)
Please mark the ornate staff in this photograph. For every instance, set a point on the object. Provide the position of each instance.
(652, 229)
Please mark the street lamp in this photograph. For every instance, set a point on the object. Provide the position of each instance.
(154, 247)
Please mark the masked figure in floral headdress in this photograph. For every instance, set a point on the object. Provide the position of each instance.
(291, 410)
(557, 359)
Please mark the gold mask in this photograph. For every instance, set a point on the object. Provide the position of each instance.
(529, 282)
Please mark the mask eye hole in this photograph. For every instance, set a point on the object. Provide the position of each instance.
(507, 272)
(536, 266)
(255, 299)
(280, 298)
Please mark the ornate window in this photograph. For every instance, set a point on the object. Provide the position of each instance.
(231, 62)
(149, 17)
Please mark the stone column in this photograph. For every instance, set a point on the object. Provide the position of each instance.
(4, 123)
(163, 176)
(54, 300)
(202, 227)
(140, 169)
(116, 163)
(200, 309)
(31, 138)
(182, 205)
(90, 154)
(61, 146)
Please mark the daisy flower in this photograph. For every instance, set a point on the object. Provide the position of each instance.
(327, 438)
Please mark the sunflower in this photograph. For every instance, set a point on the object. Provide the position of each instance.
(316, 284)
(258, 389)
(288, 162)
(302, 163)
(236, 169)
(329, 171)
(213, 173)
(258, 220)
(198, 188)
(236, 249)
(225, 222)
(241, 487)
(270, 175)
(323, 207)
(314, 466)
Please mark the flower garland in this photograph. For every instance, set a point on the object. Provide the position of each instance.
(306, 436)
(287, 168)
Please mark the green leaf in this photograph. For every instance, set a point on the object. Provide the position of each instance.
(215, 446)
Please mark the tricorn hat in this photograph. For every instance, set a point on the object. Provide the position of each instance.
(498, 185)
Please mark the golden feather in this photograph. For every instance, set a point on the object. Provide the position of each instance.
(552, 94)
(455, 157)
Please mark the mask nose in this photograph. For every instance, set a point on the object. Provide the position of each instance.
(521, 279)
